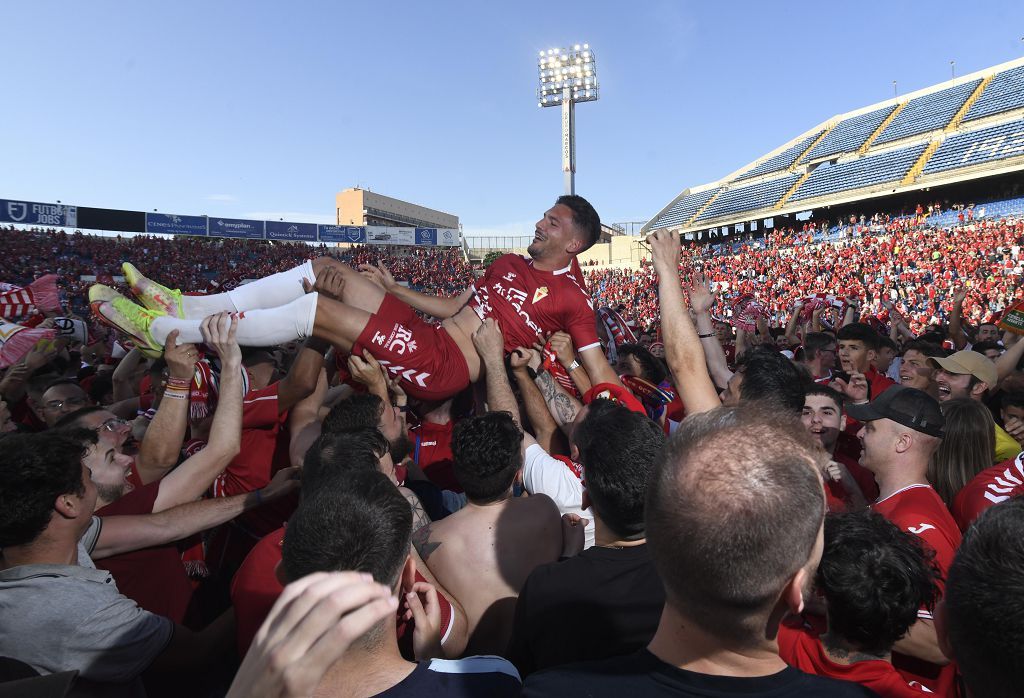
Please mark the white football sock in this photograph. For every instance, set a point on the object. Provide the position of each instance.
(269, 292)
(198, 307)
(264, 327)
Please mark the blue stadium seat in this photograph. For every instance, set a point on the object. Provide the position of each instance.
(984, 145)
(865, 171)
(850, 134)
(1005, 92)
(683, 210)
(749, 198)
(928, 112)
(781, 161)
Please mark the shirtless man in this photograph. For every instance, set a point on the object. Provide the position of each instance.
(484, 552)
(530, 297)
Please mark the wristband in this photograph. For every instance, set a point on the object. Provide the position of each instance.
(706, 335)
(402, 408)
(531, 373)
(174, 395)
(573, 366)
(178, 382)
(259, 497)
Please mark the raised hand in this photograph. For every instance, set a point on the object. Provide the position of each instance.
(219, 333)
(665, 251)
(378, 274)
(329, 281)
(489, 342)
(702, 298)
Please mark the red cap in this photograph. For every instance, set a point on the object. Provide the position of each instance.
(615, 393)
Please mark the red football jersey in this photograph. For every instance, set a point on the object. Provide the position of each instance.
(989, 487)
(432, 451)
(529, 303)
(919, 509)
(799, 647)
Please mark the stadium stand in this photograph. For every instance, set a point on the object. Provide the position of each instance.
(849, 134)
(865, 171)
(928, 112)
(782, 160)
(749, 198)
(976, 147)
(685, 208)
(1004, 93)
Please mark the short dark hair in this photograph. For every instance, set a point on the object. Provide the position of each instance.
(985, 602)
(734, 507)
(354, 412)
(487, 454)
(39, 382)
(825, 391)
(874, 577)
(339, 454)
(814, 342)
(102, 384)
(72, 419)
(1012, 399)
(654, 369)
(982, 347)
(617, 448)
(859, 332)
(929, 349)
(35, 469)
(770, 377)
(584, 217)
(887, 342)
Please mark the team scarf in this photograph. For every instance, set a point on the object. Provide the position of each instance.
(41, 294)
(203, 390)
(17, 340)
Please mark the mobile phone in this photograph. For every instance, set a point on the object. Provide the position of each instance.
(842, 375)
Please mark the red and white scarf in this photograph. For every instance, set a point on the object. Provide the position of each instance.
(41, 294)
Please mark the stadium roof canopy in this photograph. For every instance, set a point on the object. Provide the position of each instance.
(962, 129)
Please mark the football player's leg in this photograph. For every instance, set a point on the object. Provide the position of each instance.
(358, 292)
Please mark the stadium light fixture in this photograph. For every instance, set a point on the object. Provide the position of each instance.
(567, 76)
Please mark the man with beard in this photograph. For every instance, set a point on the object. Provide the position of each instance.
(530, 297)
(968, 374)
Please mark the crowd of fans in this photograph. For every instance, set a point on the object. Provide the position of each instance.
(203, 264)
(785, 507)
(903, 261)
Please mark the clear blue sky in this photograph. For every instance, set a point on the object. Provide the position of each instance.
(266, 109)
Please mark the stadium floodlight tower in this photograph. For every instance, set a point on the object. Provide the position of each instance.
(567, 76)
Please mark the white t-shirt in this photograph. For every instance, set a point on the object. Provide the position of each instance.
(544, 474)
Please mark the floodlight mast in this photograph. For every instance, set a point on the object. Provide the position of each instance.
(567, 76)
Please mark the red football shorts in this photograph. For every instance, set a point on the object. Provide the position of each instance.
(425, 359)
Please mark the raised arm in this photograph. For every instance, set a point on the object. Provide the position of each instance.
(490, 345)
(437, 306)
(563, 406)
(122, 534)
(683, 351)
(160, 446)
(191, 479)
(792, 339)
(125, 371)
(956, 327)
(561, 344)
(1007, 363)
(702, 300)
(545, 429)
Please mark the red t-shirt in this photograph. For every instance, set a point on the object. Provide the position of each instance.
(255, 588)
(529, 303)
(800, 647)
(877, 382)
(920, 510)
(987, 488)
(154, 578)
(865, 478)
(432, 451)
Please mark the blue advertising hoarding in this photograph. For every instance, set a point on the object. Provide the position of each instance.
(236, 228)
(33, 213)
(283, 230)
(172, 224)
(426, 236)
(342, 233)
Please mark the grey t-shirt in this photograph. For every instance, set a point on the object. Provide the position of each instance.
(65, 617)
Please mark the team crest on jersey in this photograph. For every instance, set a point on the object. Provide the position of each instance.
(540, 293)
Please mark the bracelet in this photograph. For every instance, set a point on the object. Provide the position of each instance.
(705, 335)
(174, 395)
(178, 382)
(531, 373)
(573, 366)
(402, 408)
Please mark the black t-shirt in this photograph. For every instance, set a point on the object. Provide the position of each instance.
(604, 602)
(471, 677)
(643, 674)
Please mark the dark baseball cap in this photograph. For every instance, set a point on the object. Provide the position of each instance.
(910, 407)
